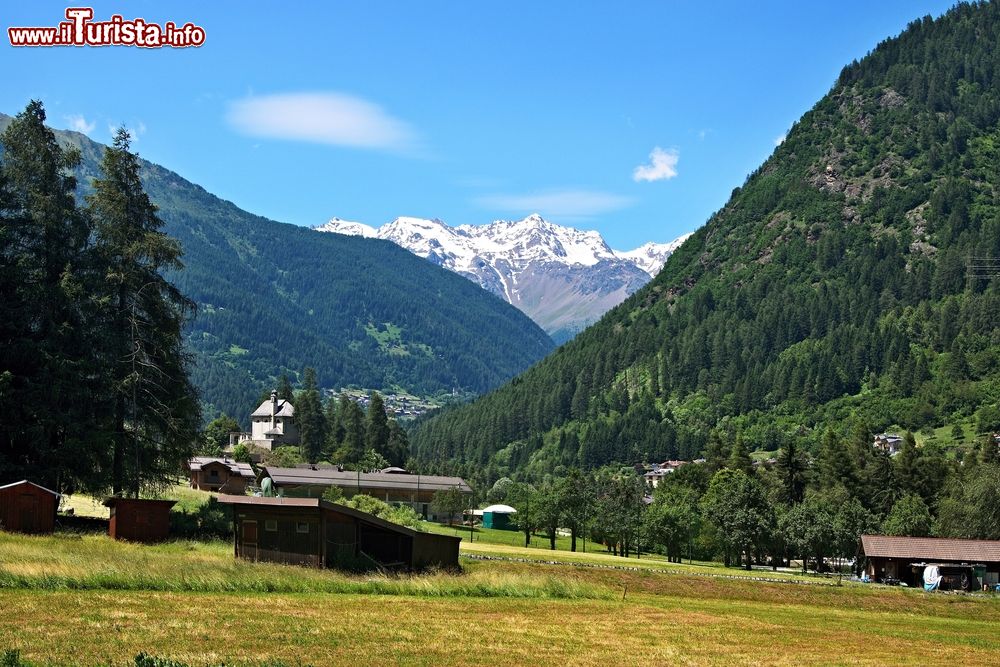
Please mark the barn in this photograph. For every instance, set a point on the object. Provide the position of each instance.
(139, 519)
(964, 564)
(311, 531)
(26, 507)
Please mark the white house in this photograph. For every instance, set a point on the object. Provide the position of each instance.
(273, 424)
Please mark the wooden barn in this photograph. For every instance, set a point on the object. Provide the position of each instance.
(139, 519)
(26, 507)
(311, 531)
(964, 564)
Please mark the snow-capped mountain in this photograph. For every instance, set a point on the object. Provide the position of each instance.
(561, 277)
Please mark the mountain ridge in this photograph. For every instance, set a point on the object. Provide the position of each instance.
(274, 297)
(833, 290)
(561, 277)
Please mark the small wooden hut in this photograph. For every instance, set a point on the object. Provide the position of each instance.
(26, 507)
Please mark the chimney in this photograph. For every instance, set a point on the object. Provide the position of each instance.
(274, 406)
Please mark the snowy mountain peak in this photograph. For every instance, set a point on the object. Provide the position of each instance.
(347, 227)
(650, 257)
(563, 278)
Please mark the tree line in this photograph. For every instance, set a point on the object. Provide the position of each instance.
(797, 507)
(94, 386)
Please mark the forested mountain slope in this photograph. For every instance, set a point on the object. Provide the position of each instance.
(274, 297)
(854, 274)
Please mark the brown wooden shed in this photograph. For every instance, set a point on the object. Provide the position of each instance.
(26, 507)
(139, 519)
(311, 531)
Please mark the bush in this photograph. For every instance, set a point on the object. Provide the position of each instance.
(208, 521)
(403, 515)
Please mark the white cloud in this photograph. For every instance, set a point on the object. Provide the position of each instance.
(558, 203)
(135, 130)
(325, 118)
(662, 166)
(780, 139)
(78, 123)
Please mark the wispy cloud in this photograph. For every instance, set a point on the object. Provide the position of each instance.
(335, 119)
(662, 166)
(135, 130)
(780, 139)
(572, 203)
(79, 124)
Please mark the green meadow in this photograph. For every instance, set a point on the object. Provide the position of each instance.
(92, 601)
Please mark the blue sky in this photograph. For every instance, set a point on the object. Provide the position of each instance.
(635, 119)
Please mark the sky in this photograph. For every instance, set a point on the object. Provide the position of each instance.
(634, 119)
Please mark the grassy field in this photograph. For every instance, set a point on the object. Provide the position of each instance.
(89, 601)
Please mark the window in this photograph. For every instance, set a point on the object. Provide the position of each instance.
(301, 527)
(213, 474)
(271, 525)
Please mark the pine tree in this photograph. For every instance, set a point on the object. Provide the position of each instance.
(353, 447)
(154, 411)
(398, 447)
(47, 402)
(791, 467)
(739, 457)
(285, 390)
(310, 418)
(377, 425)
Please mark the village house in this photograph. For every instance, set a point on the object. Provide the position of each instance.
(964, 564)
(311, 531)
(222, 475)
(272, 425)
(890, 443)
(395, 488)
(660, 470)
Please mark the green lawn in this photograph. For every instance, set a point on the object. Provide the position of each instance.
(90, 601)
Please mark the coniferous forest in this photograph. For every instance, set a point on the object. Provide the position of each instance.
(849, 286)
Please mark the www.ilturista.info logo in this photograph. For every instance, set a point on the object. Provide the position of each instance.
(81, 30)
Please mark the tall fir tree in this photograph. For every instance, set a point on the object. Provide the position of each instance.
(310, 418)
(153, 411)
(48, 400)
(377, 425)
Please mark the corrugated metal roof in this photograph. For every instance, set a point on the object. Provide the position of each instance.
(930, 548)
(284, 409)
(24, 481)
(370, 480)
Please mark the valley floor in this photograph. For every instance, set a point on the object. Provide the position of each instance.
(89, 601)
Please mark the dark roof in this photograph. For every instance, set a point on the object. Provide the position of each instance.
(318, 503)
(930, 548)
(24, 481)
(369, 480)
(242, 469)
(283, 409)
(115, 500)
